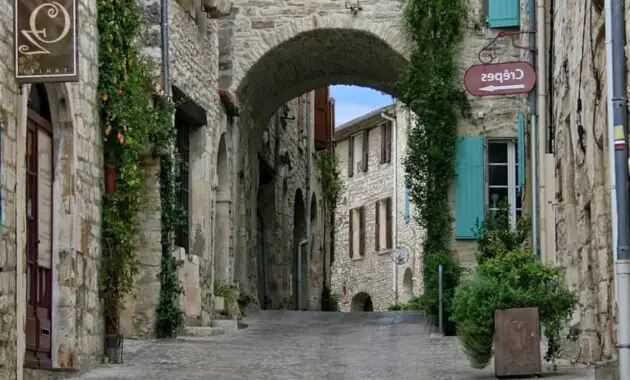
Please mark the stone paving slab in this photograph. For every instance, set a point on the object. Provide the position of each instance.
(286, 345)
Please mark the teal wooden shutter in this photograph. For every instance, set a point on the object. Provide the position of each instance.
(469, 186)
(504, 13)
(521, 150)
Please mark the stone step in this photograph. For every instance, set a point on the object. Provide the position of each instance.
(203, 331)
(226, 324)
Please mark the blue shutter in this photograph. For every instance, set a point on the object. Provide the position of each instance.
(407, 203)
(521, 150)
(504, 13)
(469, 186)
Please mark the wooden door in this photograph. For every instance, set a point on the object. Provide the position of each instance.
(39, 180)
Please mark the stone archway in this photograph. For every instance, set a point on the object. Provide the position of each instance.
(299, 258)
(222, 217)
(361, 302)
(407, 286)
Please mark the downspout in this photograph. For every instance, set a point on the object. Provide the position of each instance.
(611, 137)
(615, 14)
(531, 15)
(166, 86)
(394, 122)
(541, 108)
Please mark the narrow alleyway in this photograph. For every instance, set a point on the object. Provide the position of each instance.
(286, 345)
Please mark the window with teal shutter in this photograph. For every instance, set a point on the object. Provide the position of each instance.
(469, 186)
(520, 145)
(504, 13)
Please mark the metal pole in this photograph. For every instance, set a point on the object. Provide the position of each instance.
(441, 298)
(621, 176)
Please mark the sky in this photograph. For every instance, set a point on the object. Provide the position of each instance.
(354, 101)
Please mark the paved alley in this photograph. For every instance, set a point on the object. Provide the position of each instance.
(287, 345)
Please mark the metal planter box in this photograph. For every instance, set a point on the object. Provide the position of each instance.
(517, 342)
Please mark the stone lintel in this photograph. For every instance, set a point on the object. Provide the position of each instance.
(217, 8)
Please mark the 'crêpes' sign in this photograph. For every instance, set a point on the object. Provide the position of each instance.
(45, 36)
(500, 79)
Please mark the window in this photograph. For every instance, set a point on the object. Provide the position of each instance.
(383, 230)
(386, 142)
(356, 233)
(183, 146)
(503, 181)
(503, 13)
(488, 172)
(358, 152)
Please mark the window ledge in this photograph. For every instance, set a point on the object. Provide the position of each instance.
(358, 258)
(383, 252)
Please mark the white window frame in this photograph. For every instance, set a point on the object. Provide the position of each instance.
(512, 186)
(357, 152)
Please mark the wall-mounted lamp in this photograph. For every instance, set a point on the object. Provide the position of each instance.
(354, 9)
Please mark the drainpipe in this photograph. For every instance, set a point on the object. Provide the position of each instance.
(615, 16)
(541, 99)
(166, 86)
(531, 16)
(611, 137)
(394, 122)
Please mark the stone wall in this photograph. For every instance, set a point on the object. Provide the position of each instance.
(77, 324)
(582, 212)
(283, 150)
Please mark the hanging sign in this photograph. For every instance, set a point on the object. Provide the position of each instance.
(45, 41)
(500, 78)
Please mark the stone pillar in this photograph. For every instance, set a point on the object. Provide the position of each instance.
(138, 317)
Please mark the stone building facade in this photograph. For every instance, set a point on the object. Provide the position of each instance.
(363, 272)
(578, 137)
(60, 122)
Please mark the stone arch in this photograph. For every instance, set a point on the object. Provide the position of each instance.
(333, 49)
(222, 215)
(52, 103)
(361, 301)
(299, 258)
(407, 286)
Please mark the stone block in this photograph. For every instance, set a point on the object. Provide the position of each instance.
(608, 370)
(517, 342)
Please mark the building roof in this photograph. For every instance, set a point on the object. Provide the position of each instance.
(369, 120)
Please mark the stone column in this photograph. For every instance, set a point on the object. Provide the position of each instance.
(138, 317)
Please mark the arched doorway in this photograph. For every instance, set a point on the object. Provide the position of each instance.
(407, 286)
(299, 258)
(361, 302)
(39, 228)
(222, 217)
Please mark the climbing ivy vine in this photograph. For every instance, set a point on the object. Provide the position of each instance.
(330, 176)
(428, 86)
(136, 120)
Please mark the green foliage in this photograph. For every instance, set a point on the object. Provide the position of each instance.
(329, 301)
(230, 294)
(430, 89)
(415, 303)
(508, 276)
(330, 176)
(244, 300)
(136, 119)
(496, 234)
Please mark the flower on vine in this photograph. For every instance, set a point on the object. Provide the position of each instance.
(105, 97)
(121, 138)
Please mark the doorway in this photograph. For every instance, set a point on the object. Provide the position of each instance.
(39, 218)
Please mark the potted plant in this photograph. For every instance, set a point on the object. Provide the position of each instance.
(513, 292)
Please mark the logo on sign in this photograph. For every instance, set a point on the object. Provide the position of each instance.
(45, 41)
(38, 36)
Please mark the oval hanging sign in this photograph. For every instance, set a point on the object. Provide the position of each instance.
(500, 78)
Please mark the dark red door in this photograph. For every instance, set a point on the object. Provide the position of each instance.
(39, 178)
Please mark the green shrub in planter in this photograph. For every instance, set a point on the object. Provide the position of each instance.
(510, 279)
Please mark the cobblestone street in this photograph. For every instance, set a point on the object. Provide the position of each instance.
(306, 345)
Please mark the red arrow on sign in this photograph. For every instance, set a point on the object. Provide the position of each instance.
(500, 78)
